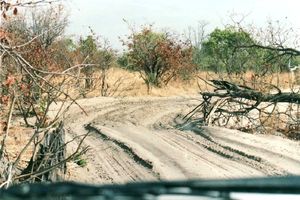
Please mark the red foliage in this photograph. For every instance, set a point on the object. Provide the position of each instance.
(10, 80)
(160, 56)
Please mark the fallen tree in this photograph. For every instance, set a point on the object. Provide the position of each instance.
(247, 109)
(239, 91)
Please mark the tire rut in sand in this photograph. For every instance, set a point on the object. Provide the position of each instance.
(225, 151)
(237, 155)
(128, 150)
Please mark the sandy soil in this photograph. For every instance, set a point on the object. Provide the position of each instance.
(137, 139)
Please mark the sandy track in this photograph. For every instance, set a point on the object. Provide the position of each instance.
(135, 139)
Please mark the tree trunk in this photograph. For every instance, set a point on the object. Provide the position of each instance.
(51, 153)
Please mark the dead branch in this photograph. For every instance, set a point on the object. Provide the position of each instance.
(244, 108)
(281, 49)
(7, 126)
(41, 170)
(235, 91)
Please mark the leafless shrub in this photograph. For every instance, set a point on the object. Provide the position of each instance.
(31, 92)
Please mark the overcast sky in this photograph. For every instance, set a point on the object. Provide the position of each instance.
(105, 17)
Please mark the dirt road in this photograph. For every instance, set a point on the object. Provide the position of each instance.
(136, 139)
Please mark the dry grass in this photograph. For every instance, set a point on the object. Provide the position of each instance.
(122, 83)
(18, 138)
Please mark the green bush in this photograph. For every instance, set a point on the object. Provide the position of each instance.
(80, 161)
(232, 50)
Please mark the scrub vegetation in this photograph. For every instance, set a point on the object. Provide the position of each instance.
(248, 79)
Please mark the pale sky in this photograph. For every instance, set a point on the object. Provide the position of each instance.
(105, 17)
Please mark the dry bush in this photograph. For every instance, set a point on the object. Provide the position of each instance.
(27, 92)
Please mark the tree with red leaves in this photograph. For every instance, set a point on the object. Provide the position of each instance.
(158, 57)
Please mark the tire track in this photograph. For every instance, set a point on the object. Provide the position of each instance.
(224, 150)
(145, 163)
(144, 143)
(228, 152)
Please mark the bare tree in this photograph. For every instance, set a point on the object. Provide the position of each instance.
(30, 92)
(46, 24)
(197, 34)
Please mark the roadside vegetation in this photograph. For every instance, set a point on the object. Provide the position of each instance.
(238, 69)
